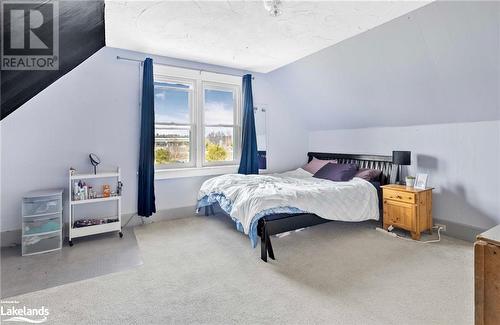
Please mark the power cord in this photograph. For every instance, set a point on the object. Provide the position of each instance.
(390, 233)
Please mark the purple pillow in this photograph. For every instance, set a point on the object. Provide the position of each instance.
(315, 164)
(337, 172)
(368, 174)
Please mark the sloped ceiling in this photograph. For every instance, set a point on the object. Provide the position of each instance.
(438, 64)
(241, 34)
(81, 34)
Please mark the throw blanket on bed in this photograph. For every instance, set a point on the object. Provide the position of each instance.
(247, 198)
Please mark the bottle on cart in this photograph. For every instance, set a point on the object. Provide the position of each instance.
(75, 190)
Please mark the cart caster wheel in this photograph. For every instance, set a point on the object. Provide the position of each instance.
(121, 234)
(70, 243)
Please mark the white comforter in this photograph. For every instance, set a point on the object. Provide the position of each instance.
(355, 200)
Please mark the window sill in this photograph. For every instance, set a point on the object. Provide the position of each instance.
(194, 172)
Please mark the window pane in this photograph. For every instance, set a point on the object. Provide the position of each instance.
(219, 144)
(172, 103)
(172, 144)
(219, 107)
(174, 85)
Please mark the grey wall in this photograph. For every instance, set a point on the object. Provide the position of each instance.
(438, 64)
(426, 82)
(94, 108)
(461, 160)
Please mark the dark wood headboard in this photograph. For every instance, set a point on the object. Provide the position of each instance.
(383, 163)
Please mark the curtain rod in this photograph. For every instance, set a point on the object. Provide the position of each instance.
(175, 66)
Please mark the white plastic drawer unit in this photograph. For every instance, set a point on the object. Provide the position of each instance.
(38, 206)
(41, 243)
(40, 225)
(42, 221)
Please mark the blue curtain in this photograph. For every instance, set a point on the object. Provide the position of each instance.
(146, 189)
(249, 163)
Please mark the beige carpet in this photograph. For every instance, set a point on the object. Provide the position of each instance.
(200, 270)
(89, 257)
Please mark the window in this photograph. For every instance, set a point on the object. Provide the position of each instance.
(219, 122)
(197, 119)
(173, 126)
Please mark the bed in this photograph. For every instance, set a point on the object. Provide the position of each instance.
(265, 205)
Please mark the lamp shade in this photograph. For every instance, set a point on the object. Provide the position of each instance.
(401, 157)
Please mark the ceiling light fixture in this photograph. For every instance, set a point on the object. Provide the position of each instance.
(273, 7)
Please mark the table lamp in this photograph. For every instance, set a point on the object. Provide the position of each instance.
(401, 158)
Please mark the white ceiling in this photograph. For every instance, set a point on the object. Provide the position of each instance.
(241, 34)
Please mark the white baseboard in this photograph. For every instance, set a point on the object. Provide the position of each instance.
(13, 237)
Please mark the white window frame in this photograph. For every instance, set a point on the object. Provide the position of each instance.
(191, 124)
(200, 79)
(236, 122)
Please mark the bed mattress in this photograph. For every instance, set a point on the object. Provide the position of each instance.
(248, 198)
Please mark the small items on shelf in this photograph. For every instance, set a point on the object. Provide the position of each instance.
(119, 188)
(92, 222)
(106, 190)
(83, 191)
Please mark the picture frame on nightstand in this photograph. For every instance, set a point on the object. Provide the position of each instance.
(421, 181)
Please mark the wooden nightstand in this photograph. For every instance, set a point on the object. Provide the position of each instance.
(408, 208)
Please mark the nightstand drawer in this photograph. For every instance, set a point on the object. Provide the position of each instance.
(399, 214)
(399, 196)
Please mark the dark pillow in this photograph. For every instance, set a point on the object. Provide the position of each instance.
(368, 174)
(337, 172)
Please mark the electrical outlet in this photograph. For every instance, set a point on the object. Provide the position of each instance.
(438, 225)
